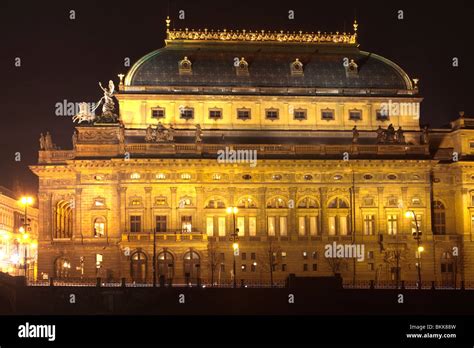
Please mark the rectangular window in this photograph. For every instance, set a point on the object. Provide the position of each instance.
(253, 267)
(186, 224)
(332, 225)
(271, 226)
(135, 223)
(313, 225)
(371, 266)
(283, 226)
(252, 226)
(271, 114)
(315, 267)
(187, 113)
(158, 113)
(327, 114)
(369, 224)
(222, 268)
(355, 115)
(244, 268)
(343, 228)
(241, 225)
(370, 255)
(283, 267)
(299, 114)
(160, 223)
(243, 114)
(471, 144)
(99, 228)
(210, 225)
(253, 256)
(382, 115)
(302, 226)
(98, 260)
(305, 267)
(244, 256)
(215, 114)
(392, 225)
(221, 226)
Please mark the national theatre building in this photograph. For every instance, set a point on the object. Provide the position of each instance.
(273, 149)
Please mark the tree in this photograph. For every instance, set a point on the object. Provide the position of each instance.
(336, 264)
(270, 258)
(394, 258)
(214, 258)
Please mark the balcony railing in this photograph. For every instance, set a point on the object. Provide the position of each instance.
(170, 235)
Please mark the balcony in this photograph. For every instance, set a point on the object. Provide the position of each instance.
(171, 236)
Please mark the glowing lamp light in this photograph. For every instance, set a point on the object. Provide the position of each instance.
(2, 254)
(15, 259)
(421, 249)
(26, 200)
(21, 229)
(235, 246)
(232, 210)
(25, 237)
(409, 214)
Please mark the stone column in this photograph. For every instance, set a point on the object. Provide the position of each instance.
(323, 193)
(261, 213)
(174, 209)
(229, 217)
(292, 230)
(200, 209)
(122, 204)
(148, 221)
(404, 223)
(44, 216)
(428, 227)
(380, 218)
(77, 231)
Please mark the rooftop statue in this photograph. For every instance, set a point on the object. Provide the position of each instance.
(84, 115)
(108, 107)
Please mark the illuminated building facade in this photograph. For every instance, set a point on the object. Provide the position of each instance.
(340, 158)
(16, 246)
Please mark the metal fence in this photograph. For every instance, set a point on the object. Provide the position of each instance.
(425, 285)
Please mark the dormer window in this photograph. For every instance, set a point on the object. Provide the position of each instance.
(327, 114)
(299, 114)
(355, 115)
(296, 68)
(158, 112)
(382, 115)
(352, 69)
(242, 67)
(243, 114)
(215, 114)
(185, 67)
(271, 114)
(187, 113)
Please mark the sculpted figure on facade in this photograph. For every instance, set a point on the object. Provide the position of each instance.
(108, 115)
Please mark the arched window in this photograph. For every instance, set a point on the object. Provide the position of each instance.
(276, 203)
(63, 220)
(215, 203)
(138, 267)
(247, 202)
(439, 218)
(338, 203)
(338, 217)
(62, 267)
(192, 266)
(308, 203)
(165, 265)
(99, 227)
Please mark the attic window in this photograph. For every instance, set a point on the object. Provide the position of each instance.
(327, 114)
(355, 115)
(382, 115)
(242, 67)
(215, 114)
(352, 69)
(296, 68)
(243, 114)
(158, 112)
(299, 114)
(187, 113)
(271, 114)
(185, 67)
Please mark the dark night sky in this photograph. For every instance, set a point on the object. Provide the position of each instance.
(65, 59)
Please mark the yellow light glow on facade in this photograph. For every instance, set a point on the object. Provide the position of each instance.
(235, 246)
(421, 249)
(409, 214)
(232, 210)
(21, 229)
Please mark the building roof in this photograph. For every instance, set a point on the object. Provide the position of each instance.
(269, 57)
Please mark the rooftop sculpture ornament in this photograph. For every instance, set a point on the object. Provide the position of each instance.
(108, 115)
(84, 115)
(198, 134)
(390, 135)
(355, 135)
(160, 134)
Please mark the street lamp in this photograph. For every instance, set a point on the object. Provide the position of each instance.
(417, 237)
(234, 238)
(25, 201)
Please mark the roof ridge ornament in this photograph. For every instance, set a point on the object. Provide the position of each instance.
(260, 36)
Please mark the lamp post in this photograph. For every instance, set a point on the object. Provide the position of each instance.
(24, 229)
(234, 238)
(417, 237)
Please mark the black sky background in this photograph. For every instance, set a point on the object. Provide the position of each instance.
(65, 59)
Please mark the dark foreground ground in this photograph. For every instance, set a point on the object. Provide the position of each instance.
(303, 296)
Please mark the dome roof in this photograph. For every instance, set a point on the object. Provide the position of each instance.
(268, 67)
